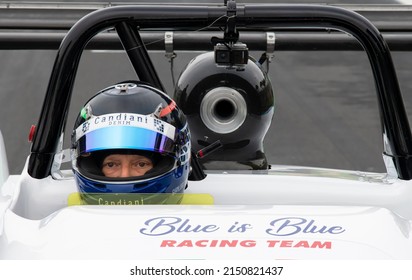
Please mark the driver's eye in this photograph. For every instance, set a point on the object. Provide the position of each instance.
(141, 164)
(110, 164)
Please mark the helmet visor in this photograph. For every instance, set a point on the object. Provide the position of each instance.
(125, 131)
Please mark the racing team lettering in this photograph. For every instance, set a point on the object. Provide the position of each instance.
(279, 227)
(282, 227)
(246, 243)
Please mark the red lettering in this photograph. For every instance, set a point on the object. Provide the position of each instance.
(299, 244)
(208, 243)
(272, 243)
(286, 243)
(318, 244)
(248, 243)
(168, 243)
(304, 244)
(201, 243)
(185, 243)
(228, 243)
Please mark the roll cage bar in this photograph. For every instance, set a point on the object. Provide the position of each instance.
(30, 26)
(129, 21)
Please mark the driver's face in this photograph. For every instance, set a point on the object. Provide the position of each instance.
(120, 165)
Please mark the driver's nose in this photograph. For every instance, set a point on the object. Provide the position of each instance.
(125, 171)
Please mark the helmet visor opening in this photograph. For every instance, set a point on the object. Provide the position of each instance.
(91, 166)
(125, 138)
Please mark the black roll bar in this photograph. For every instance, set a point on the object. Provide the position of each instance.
(61, 16)
(196, 41)
(136, 50)
(395, 125)
(200, 41)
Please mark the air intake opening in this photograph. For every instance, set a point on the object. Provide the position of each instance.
(223, 110)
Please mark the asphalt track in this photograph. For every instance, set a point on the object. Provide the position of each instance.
(326, 107)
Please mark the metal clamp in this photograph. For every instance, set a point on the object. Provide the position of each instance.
(270, 45)
(170, 54)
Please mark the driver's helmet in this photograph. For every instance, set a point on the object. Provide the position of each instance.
(126, 119)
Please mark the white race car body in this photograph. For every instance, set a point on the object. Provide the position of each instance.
(284, 213)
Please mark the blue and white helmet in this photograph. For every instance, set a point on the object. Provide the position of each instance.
(128, 118)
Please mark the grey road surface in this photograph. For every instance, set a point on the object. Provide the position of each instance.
(326, 110)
